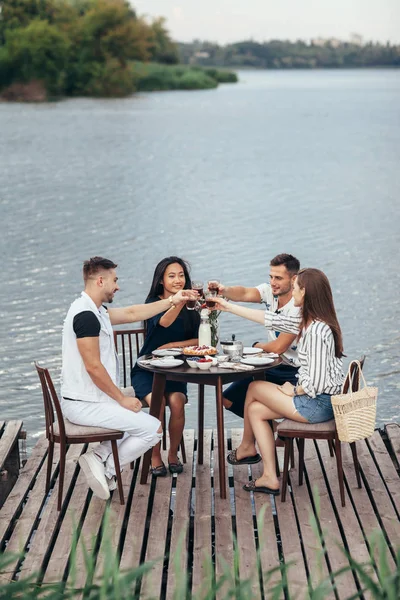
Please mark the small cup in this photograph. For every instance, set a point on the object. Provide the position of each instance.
(213, 284)
(198, 287)
(210, 299)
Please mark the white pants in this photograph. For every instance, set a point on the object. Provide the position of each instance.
(140, 429)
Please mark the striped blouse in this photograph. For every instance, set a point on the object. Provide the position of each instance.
(320, 370)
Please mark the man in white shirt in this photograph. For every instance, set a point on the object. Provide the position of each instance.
(277, 297)
(90, 373)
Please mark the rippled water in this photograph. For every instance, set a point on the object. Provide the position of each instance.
(300, 162)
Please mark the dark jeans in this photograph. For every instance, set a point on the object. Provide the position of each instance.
(236, 392)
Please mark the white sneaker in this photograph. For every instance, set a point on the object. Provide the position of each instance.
(112, 483)
(93, 469)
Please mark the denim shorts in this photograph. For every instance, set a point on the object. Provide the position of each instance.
(315, 410)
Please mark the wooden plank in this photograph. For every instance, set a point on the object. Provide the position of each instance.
(2, 423)
(152, 580)
(8, 439)
(268, 549)
(345, 584)
(348, 518)
(25, 480)
(61, 551)
(116, 517)
(26, 521)
(318, 569)
(202, 519)
(386, 467)
(88, 537)
(244, 523)
(39, 545)
(291, 545)
(393, 433)
(130, 558)
(224, 550)
(180, 524)
(381, 497)
(363, 507)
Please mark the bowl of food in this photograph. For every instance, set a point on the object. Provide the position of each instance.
(205, 363)
(192, 361)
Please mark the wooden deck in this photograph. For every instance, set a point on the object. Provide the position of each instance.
(188, 509)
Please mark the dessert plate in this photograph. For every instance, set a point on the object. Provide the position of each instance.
(166, 352)
(252, 351)
(167, 364)
(257, 361)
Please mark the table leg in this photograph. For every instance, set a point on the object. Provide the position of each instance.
(200, 436)
(221, 439)
(157, 394)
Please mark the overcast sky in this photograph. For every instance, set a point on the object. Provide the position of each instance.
(233, 20)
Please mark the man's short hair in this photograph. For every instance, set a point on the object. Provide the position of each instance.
(291, 263)
(96, 264)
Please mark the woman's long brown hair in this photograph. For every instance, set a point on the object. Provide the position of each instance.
(318, 304)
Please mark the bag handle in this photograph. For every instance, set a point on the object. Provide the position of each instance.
(350, 375)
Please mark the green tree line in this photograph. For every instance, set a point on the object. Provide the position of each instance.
(277, 54)
(78, 47)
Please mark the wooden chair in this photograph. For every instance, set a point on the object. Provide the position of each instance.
(61, 431)
(133, 339)
(290, 430)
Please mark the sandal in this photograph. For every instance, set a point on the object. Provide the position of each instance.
(160, 471)
(252, 487)
(247, 460)
(175, 467)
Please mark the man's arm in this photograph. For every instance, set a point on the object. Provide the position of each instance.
(141, 312)
(89, 348)
(239, 293)
(280, 345)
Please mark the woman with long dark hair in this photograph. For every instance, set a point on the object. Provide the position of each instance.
(177, 327)
(320, 350)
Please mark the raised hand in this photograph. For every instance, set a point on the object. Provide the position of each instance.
(184, 295)
(220, 303)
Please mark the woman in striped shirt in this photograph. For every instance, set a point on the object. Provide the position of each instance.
(320, 374)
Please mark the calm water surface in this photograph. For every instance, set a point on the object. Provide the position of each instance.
(300, 162)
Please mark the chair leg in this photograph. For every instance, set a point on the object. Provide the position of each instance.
(338, 451)
(301, 460)
(288, 452)
(117, 471)
(278, 472)
(164, 432)
(356, 464)
(330, 444)
(183, 449)
(292, 454)
(63, 452)
(50, 453)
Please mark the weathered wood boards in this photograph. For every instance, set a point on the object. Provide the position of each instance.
(181, 521)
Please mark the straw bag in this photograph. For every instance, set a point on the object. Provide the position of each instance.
(355, 412)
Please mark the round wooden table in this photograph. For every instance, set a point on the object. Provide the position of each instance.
(215, 376)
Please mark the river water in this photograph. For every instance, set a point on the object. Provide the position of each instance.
(299, 162)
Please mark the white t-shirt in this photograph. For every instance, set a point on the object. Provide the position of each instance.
(290, 357)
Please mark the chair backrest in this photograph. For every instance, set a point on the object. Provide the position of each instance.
(51, 402)
(355, 377)
(126, 342)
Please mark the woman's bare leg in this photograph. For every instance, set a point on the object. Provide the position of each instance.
(156, 458)
(176, 402)
(279, 406)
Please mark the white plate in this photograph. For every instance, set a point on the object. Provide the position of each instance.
(257, 361)
(252, 350)
(166, 352)
(167, 364)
